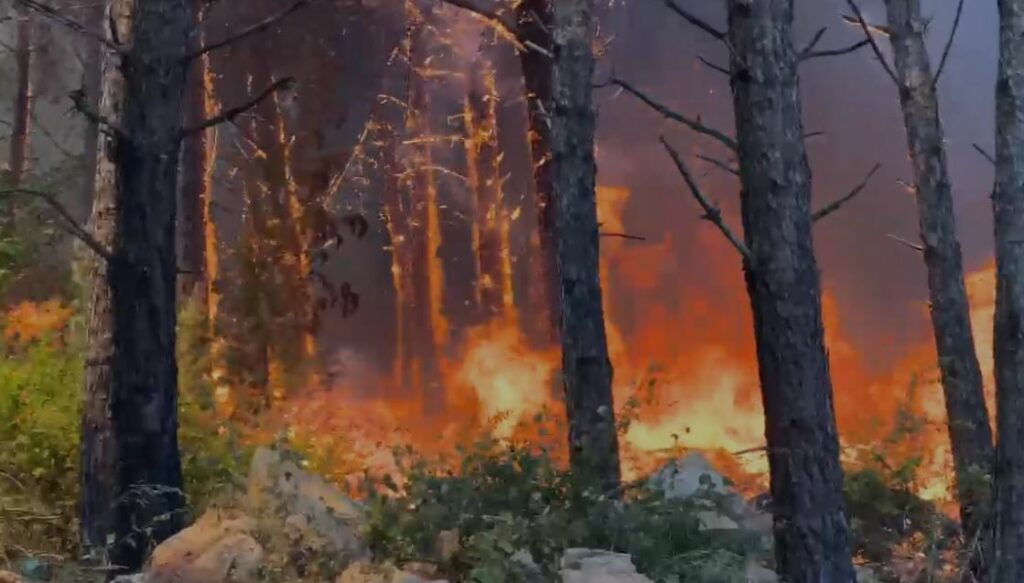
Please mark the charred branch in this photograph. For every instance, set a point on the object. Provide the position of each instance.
(68, 222)
(812, 54)
(228, 115)
(696, 21)
(713, 66)
(984, 154)
(70, 23)
(250, 31)
(838, 204)
(694, 124)
(723, 166)
(491, 13)
(949, 42)
(712, 213)
(815, 40)
(902, 241)
(869, 34)
(626, 236)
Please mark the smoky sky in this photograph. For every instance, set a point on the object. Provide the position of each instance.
(880, 286)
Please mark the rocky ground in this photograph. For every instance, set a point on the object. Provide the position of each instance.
(290, 520)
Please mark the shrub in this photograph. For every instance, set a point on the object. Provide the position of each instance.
(505, 501)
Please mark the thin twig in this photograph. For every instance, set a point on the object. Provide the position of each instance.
(713, 66)
(70, 23)
(712, 213)
(723, 166)
(914, 246)
(814, 41)
(807, 56)
(836, 205)
(694, 20)
(228, 115)
(949, 43)
(624, 236)
(247, 32)
(72, 226)
(984, 154)
(508, 26)
(871, 40)
(694, 125)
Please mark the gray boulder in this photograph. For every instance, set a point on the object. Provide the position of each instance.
(595, 566)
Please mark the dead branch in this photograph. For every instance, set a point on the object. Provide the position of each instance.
(814, 41)
(984, 154)
(229, 115)
(624, 236)
(836, 205)
(491, 13)
(247, 32)
(723, 166)
(712, 213)
(70, 23)
(949, 43)
(806, 56)
(71, 226)
(695, 21)
(693, 124)
(867, 29)
(713, 66)
(902, 241)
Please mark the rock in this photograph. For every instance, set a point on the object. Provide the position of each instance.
(757, 573)
(217, 548)
(448, 543)
(866, 575)
(528, 569)
(365, 572)
(136, 578)
(9, 577)
(278, 485)
(594, 566)
(687, 477)
(35, 569)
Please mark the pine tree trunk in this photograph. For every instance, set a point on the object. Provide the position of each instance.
(94, 16)
(812, 539)
(131, 480)
(18, 162)
(534, 18)
(969, 431)
(196, 184)
(1008, 207)
(586, 367)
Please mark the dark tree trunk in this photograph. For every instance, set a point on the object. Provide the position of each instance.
(586, 367)
(1008, 206)
(131, 470)
(534, 19)
(18, 162)
(195, 175)
(969, 431)
(812, 539)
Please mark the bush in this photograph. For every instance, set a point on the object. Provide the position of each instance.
(504, 500)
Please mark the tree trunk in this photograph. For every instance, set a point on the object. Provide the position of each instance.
(18, 162)
(93, 63)
(196, 174)
(969, 431)
(586, 367)
(131, 470)
(812, 539)
(535, 18)
(483, 156)
(1008, 206)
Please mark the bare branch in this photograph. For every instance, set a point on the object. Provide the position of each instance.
(250, 31)
(228, 115)
(949, 43)
(723, 166)
(492, 13)
(71, 226)
(693, 124)
(712, 213)
(814, 41)
(70, 23)
(713, 66)
(624, 236)
(864, 26)
(694, 20)
(836, 205)
(984, 154)
(806, 56)
(902, 241)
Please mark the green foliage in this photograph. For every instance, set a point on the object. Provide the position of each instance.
(506, 501)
